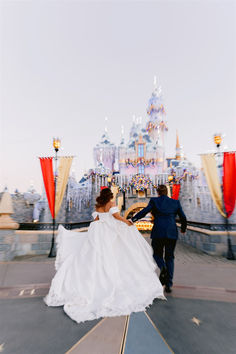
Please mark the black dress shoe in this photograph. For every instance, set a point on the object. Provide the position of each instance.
(168, 289)
(163, 276)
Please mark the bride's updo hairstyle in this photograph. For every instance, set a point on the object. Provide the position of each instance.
(105, 196)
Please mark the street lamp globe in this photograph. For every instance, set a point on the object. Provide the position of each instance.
(56, 144)
(218, 140)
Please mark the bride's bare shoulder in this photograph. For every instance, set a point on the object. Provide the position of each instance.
(109, 205)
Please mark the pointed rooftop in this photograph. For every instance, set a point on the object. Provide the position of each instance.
(177, 140)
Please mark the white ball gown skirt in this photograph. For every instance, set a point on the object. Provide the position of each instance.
(107, 271)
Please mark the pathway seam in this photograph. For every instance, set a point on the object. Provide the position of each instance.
(153, 324)
(85, 336)
(122, 347)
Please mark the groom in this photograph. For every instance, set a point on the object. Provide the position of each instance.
(164, 233)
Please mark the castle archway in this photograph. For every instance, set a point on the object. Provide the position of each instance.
(134, 208)
(144, 224)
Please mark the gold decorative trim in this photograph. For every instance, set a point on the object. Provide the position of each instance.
(86, 335)
(123, 343)
(159, 332)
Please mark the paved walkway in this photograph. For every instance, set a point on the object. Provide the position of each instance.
(198, 317)
(197, 275)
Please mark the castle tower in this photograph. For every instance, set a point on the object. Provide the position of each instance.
(105, 152)
(156, 126)
(156, 115)
(121, 153)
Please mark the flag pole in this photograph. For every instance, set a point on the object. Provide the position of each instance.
(56, 145)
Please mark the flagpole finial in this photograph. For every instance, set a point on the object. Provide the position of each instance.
(155, 82)
(106, 121)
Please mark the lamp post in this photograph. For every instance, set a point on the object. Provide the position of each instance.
(124, 204)
(56, 146)
(218, 140)
(109, 181)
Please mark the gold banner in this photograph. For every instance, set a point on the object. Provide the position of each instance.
(168, 191)
(120, 202)
(115, 191)
(63, 175)
(210, 170)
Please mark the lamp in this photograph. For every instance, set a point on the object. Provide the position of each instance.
(218, 140)
(56, 144)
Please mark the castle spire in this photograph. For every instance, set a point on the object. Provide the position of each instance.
(106, 120)
(122, 136)
(177, 140)
(178, 155)
(155, 82)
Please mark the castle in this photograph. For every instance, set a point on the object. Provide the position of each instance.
(144, 153)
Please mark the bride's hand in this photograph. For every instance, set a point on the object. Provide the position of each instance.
(129, 223)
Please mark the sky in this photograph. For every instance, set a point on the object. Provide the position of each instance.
(66, 65)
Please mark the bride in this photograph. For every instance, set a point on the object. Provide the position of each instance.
(107, 271)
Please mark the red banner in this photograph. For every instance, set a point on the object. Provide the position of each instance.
(229, 182)
(48, 179)
(175, 191)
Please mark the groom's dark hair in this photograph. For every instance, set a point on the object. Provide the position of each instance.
(162, 190)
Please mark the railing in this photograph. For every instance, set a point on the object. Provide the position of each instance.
(213, 227)
(79, 225)
(49, 226)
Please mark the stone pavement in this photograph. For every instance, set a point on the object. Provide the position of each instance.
(198, 317)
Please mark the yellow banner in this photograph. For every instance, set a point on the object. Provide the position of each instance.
(210, 170)
(115, 191)
(168, 191)
(120, 202)
(63, 175)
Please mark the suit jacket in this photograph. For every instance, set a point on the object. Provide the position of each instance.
(164, 210)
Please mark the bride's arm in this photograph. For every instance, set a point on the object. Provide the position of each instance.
(119, 217)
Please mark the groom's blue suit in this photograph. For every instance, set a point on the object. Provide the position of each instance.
(164, 232)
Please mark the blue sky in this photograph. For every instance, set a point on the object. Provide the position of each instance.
(65, 65)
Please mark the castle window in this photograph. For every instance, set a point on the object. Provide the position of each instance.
(140, 150)
(141, 169)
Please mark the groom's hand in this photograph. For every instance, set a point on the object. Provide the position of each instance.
(130, 222)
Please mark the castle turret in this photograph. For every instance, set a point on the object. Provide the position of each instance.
(105, 152)
(156, 115)
(156, 126)
(121, 153)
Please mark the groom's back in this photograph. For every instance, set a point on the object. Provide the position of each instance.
(166, 205)
(165, 210)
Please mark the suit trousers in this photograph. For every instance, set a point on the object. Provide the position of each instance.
(165, 246)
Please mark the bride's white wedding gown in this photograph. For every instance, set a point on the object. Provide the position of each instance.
(107, 271)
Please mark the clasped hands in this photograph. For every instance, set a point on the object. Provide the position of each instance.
(129, 222)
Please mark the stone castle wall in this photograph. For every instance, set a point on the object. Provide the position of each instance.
(195, 199)
(198, 205)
